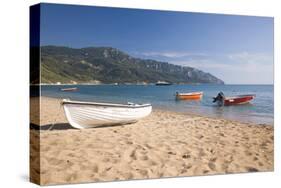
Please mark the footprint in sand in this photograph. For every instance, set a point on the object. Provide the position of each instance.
(54, 161)
(143, 157)
(210, 150)
(152, 163)
(255, 158)
(71, 177)
(160, 174)
(185, 168)
(201, 153)
(143, 172)
(213, 159)
(205, 171)
(105, 160)
(251, 169)
(212, 166)
(130, 154)
(186, 156)
(129, 142)
(183, 171)
(171, 153)
(128, 175)
(221, 134)
(133, 155)
(148, 146)
(188, 166)
(200, 137)
(95, 168)
(248, 153)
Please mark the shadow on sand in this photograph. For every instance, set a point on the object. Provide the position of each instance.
(57, 126)
(66, 126)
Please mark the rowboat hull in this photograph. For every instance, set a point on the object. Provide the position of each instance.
(88, 115)
(237, 100)
(189, 96)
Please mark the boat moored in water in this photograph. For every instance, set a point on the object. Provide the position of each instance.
(69, 89)
(93, 114)
(222, 100)
(189, 96)
(163, 83)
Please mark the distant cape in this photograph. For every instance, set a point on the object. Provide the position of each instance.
(110, 65)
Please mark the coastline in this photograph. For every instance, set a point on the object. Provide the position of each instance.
(183, 113)
(165, 144)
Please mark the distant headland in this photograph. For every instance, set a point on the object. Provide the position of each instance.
(106, 65)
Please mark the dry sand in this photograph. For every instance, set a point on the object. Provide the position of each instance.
(165, 144)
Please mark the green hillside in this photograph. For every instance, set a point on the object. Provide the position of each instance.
(110, 65)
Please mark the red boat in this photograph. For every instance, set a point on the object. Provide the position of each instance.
(221, 100)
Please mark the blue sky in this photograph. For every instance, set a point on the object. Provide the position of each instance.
(237, 49)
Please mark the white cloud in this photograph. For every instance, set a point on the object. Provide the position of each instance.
(235, 68)
(240, 68)
(251, 57)
(171, 54)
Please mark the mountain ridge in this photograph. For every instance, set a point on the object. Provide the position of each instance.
(110, 65)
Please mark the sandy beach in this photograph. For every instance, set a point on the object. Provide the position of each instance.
(165, 144)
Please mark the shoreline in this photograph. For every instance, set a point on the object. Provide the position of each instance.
(191, 114)
(164, 144)
(92, 84)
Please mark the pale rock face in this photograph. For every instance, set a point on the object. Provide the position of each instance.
(105, 53)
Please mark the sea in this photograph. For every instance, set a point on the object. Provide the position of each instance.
(259, 111)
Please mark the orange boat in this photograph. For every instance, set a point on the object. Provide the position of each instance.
(189, 96)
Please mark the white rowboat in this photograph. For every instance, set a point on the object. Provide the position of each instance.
(92, 114)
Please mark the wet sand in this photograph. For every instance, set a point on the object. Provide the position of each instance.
(165, 144)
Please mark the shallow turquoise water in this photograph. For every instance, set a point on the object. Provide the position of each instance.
(260, 110)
